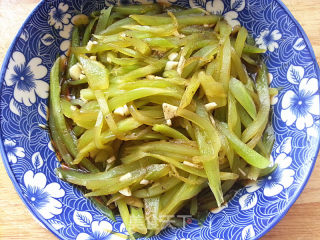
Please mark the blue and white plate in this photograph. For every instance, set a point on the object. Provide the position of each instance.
(30, 159)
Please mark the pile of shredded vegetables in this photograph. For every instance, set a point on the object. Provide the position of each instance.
(159, 109)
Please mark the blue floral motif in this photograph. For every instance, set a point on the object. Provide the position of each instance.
(66, 34)
(60, 19)
(99, 230)
(59, 16)
(42, 196)
(281, 178)
(300, 106)
(218, 7)
(26, 78)
(12, 151)
(30, 158)
(268, 40)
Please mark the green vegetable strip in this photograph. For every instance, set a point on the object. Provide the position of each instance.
(190, 91)
(203, 123)
(147, 83)
(268, 139)
(106, 114)
(248, 59)
(137, 9)
(243, 76)
(188, 30)
(225, 64)
(97, 128)
(234, 122)
(137, 44)
(140, 117)
(56, 112)
(151, 209)
(59, 122)
(254, 173)
(77, 82)
(204, 53)
(240, 40)
(134, 94)
(249, 155)
(78, 131)
(123, 126)
(189, 11)
(258, 125)
(160, 42)
(163, 146)
(80, 178)
(240, 92)
(186, 192)
(110, 57)
(97, 73)
(75, 42)
(168, 131)
(88, 31)
(58, 142)
(194, 206)
(209, 148)
(125, 215)
(168, 196)
(252, 49)
(161, 30)
(113, 185)
(176, 163)
(137, 220)
(106, 211)
(87, 94)
(99, 47)
(103, 20)
(116, 27)
(182, 20)
(161, 186)
(141, 72)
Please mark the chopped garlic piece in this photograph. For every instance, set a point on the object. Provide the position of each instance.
(93, 58)
(181, 63)
(190, 164)
(153, 77)
(173, 56)
(242, 172)
(90, 44)
(126, 192)
(171, 65)
(111, 159)
(73, 108)
(80, 19)
(179, 35)
(109, 60)
(212, 120)
(208, 25)
(125, 177)
(123, 35)
(82, 76)
(122, 111)
(42, 126)
(169, 122)
(75, 71)
(169, 111)
(144, 182)
(210, 106)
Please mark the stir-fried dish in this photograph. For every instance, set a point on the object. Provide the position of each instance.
(159, 110)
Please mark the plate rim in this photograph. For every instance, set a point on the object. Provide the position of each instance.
(46, 224)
